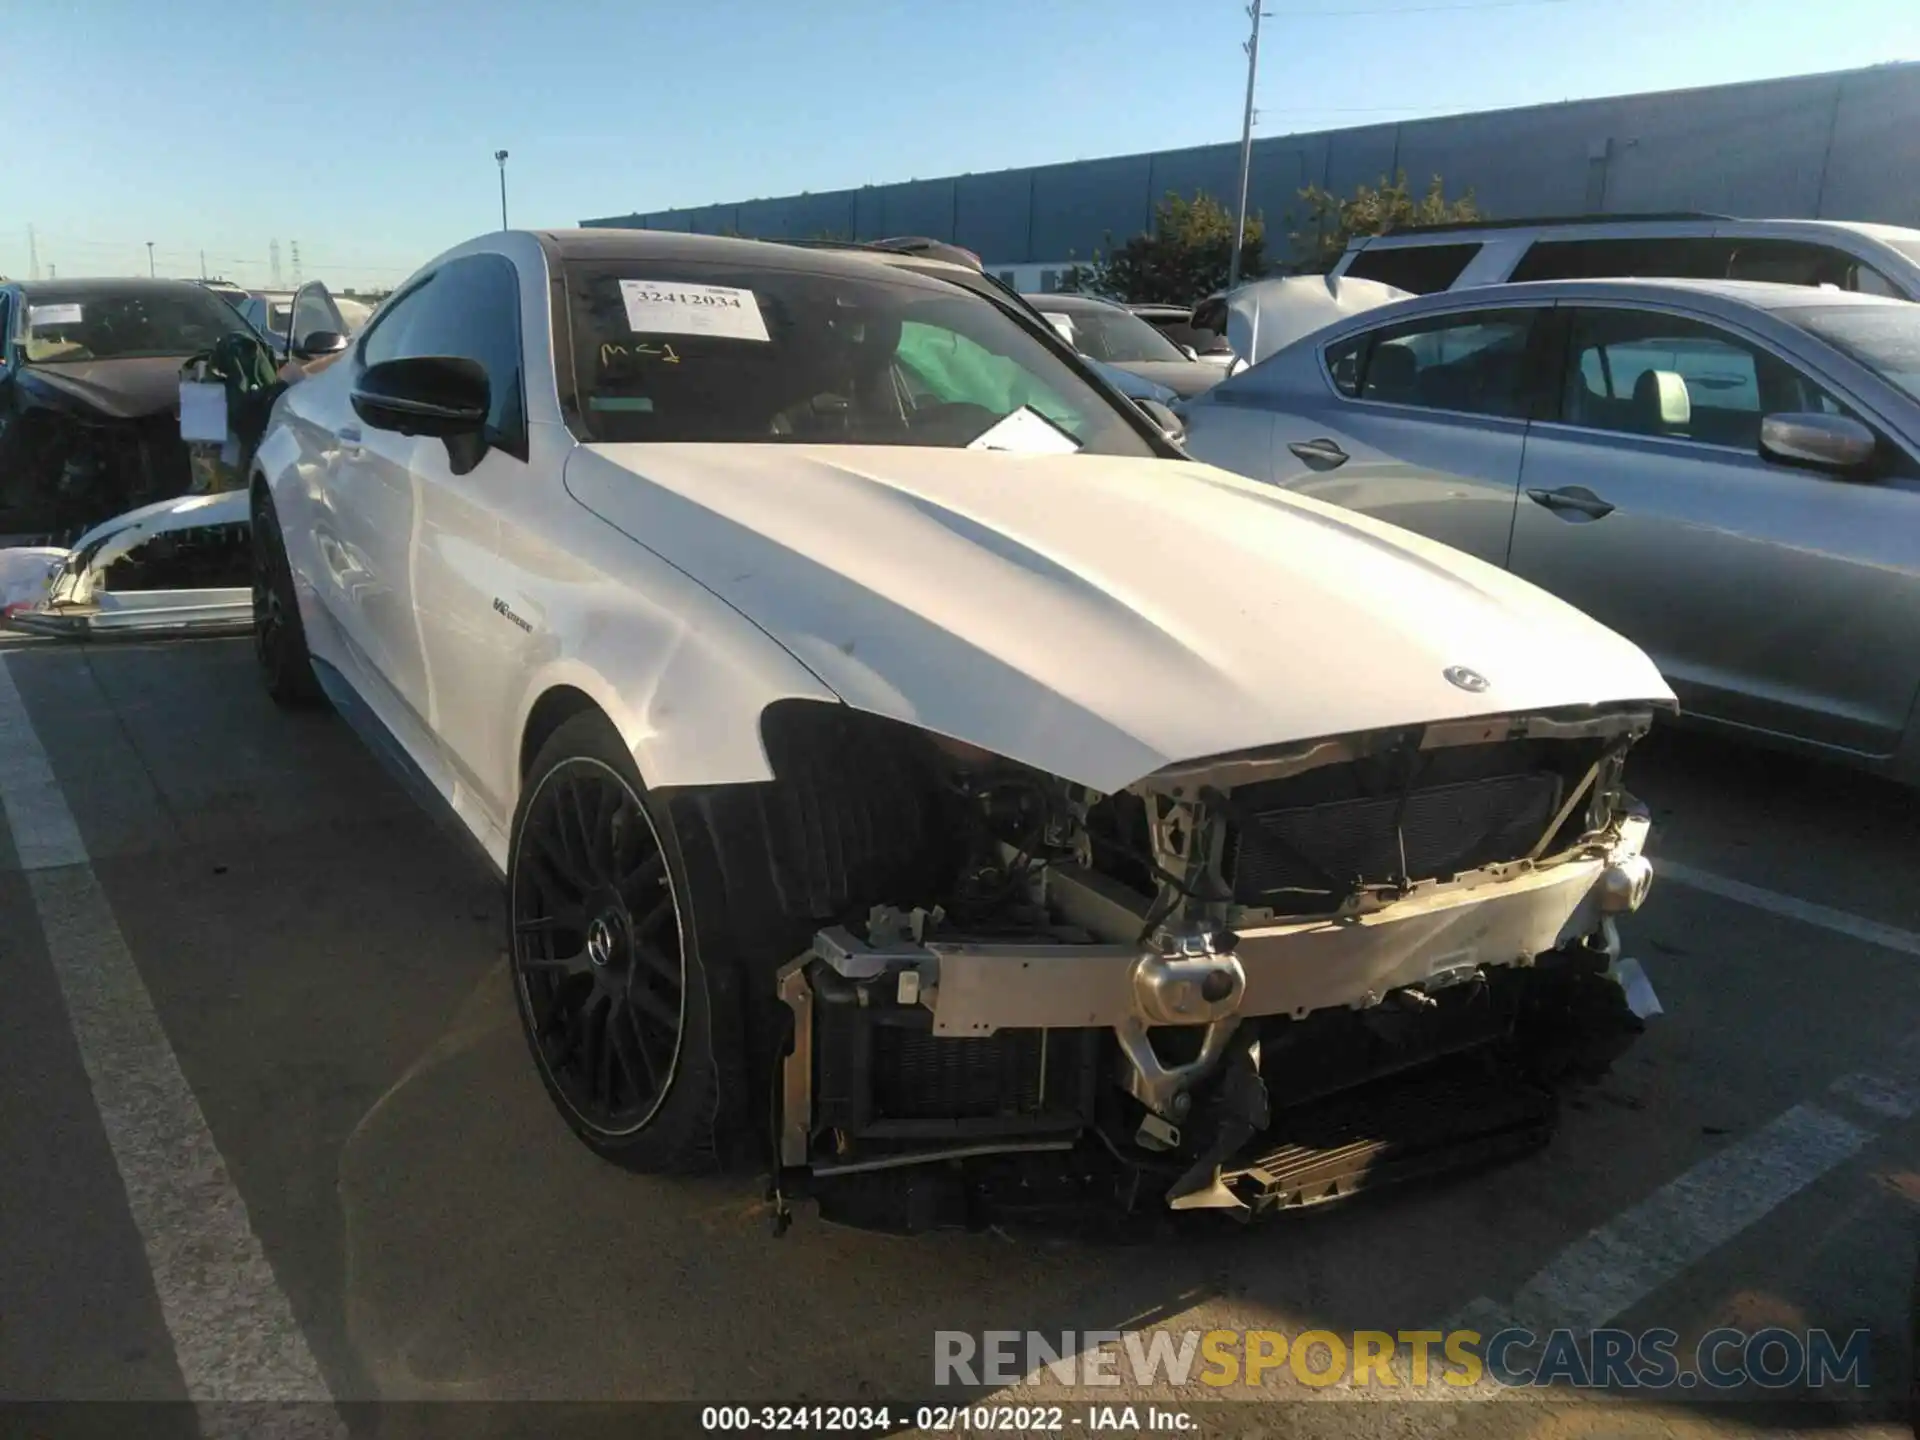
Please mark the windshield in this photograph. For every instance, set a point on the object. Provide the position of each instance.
(685, 351)
(1884, 338)
(84, 325)
(1114, 335)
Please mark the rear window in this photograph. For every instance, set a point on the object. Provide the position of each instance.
(692, 352)
(1423, 269)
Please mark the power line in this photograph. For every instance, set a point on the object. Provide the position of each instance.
(1421, 9)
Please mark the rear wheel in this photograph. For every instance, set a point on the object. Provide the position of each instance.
(613, 996)
(279, 639)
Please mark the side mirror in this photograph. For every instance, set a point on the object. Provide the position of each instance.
(438, 395)
(316, 343)
(1825, 442)
(1162, 415)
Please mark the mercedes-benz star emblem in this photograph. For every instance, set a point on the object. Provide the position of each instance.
(1466, 679)
(600, 942)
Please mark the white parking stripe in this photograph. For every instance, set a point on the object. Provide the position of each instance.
(233, 1331)
(1891, 937)
(1615, 1267)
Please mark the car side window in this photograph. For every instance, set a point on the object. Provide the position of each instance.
(1472, 363)
(470, 308)
(1423, 269)
(1643, 372)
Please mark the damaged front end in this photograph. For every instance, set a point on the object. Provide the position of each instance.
(1252, 983)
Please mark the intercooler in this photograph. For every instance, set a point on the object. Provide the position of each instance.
(1291, 851)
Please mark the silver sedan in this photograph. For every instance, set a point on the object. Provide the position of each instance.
(1727, 473)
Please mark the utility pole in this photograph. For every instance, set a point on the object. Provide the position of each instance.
(149, 259)
(1252, 47)
(33, 255)
(273, 261)
(500, 157)
(295, 247)
(203, 264)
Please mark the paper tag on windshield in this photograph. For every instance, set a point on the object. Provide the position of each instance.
(1027, 432)
(203, 412)
(53, 315)
(657, 307)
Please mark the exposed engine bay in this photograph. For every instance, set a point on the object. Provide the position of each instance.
(1255, 982)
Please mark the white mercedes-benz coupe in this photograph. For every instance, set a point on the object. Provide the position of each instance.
(901, 758)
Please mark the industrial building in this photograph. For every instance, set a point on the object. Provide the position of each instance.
(1844, 145)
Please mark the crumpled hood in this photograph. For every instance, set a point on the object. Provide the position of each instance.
(121, 389)
(1098, 618)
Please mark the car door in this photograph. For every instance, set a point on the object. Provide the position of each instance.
(1422, 423)
(1772, 596)
(441, 510)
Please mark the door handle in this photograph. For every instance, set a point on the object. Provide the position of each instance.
(1322, 454)
(1572, 501)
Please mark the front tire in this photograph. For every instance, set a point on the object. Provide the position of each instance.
(613, 995)
(279, 639)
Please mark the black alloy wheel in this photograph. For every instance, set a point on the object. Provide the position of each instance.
(279, 640)
(599, 965)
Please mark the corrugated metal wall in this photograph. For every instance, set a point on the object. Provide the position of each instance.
(1842, 146)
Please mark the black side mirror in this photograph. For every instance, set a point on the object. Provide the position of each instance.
(1163, 417)
(316, 343)
(439, 395)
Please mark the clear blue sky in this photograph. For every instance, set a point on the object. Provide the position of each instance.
(366, 130)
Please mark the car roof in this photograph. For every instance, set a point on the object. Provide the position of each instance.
(672, 245)
(81, 289)
(1684, 222)
(1753, 294)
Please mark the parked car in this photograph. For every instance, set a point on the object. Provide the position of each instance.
(355, 313)
(177, 567)
(1193, 339)
(90, 399)
(805, 642)
(1112, 335)
(1846, 254)
(1728, 473)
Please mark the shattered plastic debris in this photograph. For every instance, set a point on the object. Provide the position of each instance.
(1631, 978)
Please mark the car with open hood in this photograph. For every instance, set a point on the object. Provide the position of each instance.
(90, 398)
(905, 766)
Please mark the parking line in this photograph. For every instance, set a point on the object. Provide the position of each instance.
(233, 1330)
(1890, 937)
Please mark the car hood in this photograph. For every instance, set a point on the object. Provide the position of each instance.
(121, 389)
(1186, 378)
(1267, 316)
(1098, 618)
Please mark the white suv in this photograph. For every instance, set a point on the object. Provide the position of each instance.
(1849, 255)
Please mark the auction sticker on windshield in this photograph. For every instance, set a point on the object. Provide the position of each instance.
(53, 314)
(656, 307)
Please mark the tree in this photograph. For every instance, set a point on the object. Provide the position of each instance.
(1184, 258)
(1373, 211)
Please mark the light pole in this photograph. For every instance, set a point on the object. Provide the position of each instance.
(1246, 149)
(149, 259)
(501, 157)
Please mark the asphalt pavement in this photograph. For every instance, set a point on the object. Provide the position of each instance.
(268, 1130)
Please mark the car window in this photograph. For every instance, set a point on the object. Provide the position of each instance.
(1470, 362)
(470, 308)
(1884, 338)
(1697, 257)
(701, 352)
(1203, 340)
(1649, 373)
(1423, 269)
(1116, 336)
(70, 327)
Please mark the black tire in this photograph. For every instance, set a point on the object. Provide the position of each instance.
(279, 639)
(628, 1023)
